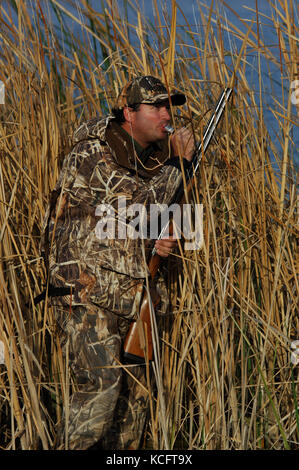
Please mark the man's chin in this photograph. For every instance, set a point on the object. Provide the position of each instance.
(163, 135)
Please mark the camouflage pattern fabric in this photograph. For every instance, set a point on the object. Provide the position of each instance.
(147, 89)
(108, 407)
(106, 277)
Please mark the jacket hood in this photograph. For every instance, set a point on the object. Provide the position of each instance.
(94, 128)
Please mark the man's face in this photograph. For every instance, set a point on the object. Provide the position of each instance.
(147, 124)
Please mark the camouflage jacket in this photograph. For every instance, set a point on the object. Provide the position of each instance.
(100, 169)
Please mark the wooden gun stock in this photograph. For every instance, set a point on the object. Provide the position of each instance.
(138, 345)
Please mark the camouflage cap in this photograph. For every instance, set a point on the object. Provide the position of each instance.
(147, 90)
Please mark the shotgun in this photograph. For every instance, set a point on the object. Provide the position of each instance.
(138, 346)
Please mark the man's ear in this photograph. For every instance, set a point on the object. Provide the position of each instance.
(128, 114)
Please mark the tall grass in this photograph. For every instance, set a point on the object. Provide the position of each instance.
(225, 377)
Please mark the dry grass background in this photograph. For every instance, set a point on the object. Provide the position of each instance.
(225, 377)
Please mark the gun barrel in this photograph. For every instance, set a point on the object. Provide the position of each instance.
(211, 126)
(138, 340)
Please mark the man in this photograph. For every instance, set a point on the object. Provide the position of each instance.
(126, 156)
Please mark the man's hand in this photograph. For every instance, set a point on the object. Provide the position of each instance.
(183, 143)
(165, 246)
